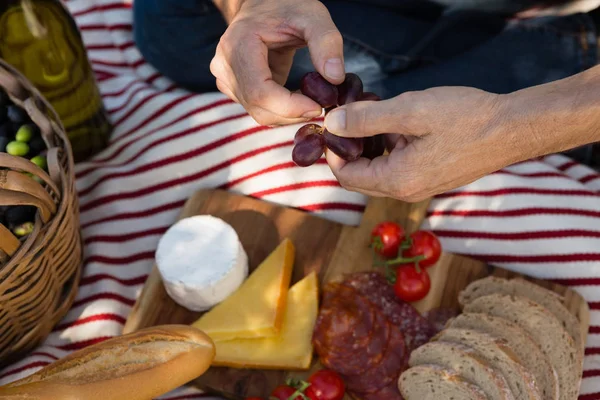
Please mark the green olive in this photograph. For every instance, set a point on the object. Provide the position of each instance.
(24, 134)
(40, 161)
(24, 229)
(17, 148)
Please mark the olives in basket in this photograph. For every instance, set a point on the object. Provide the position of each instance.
(20, 137)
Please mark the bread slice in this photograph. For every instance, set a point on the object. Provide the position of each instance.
(467, 363)
(529, 352)
(520, 287)
(432, 382)
(498, 355)
(544, 328)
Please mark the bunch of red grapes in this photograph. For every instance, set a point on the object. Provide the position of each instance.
(311, 139)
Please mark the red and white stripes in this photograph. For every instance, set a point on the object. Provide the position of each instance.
(540, 217)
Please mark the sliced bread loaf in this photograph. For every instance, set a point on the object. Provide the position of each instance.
(498, 355)
(527, 350)
(521, 287)
(544, 328)
(467, 363)
(432, 382)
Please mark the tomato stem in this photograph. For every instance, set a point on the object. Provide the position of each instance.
(403, 260)
(377, 243)
(406, 243)
(300, 387)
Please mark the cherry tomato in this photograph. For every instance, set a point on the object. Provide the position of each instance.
(283, 392)
(424, 243)
(412, 283)
(325, 385)
(391, 236)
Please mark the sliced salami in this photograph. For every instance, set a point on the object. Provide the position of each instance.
(343, 321)
(358, 359)
(393, 363)
(439, 317)
(350, 336)
(416, 329)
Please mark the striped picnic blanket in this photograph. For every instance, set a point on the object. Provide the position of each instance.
(540, 217)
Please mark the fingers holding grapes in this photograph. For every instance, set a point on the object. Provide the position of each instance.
(255, 54)
(311, 140)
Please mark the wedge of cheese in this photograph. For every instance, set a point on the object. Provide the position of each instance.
(257, 307)
(292, 348)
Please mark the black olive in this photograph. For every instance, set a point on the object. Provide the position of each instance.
(4, 100)
(7, 129)
(16, 114)
(3, 142)
(36, 146)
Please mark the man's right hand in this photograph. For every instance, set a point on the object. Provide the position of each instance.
(255, 55)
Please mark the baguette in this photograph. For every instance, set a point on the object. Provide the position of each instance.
(136, 366)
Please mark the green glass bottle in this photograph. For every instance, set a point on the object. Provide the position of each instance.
(42, 41)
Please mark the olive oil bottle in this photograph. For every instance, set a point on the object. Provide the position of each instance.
(41, 40)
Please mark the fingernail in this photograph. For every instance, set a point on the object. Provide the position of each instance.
(335, 121)
(334, 68)
(312, 114)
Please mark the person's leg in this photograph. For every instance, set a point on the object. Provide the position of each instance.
(179, 38)
(378, 40)
(524, 54)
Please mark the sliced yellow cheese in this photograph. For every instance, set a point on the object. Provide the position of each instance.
(292, 348)
(256, 308)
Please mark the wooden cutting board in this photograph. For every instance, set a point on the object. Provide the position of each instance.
(327, 247)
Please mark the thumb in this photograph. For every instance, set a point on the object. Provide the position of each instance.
(325, 45)
(404, 114)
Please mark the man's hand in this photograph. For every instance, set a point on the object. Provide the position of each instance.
(254, 57)
(443, 138)
(439, 139)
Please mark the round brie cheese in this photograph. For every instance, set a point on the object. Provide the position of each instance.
(201, 261)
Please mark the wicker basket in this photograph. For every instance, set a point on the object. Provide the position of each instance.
(40, 274)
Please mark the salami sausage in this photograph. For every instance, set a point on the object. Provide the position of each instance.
(343, 321)
(393, 363)
(416, 329)
(350, 335)
(360, 359)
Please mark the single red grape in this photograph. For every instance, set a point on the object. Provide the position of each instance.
(313, 85)
(308, 150)
(349, 149)
(350, 90)
(306, 130)
(374, 146)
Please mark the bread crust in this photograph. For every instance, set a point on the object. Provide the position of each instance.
(137, 366)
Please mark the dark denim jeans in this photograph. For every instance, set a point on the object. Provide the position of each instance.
(393, 45)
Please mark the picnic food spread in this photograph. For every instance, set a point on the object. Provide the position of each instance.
(359, 335)
(514, 340)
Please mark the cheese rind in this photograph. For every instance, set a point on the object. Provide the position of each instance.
(292, 348)
(257, 308)
(201, 262)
